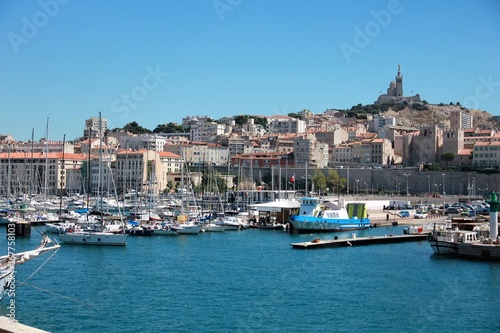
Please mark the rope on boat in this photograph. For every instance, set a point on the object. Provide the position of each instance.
(36, 270)
(54, 293)
(45, 290)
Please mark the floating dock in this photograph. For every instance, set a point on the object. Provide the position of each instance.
(387, 239)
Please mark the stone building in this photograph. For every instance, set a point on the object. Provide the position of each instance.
(395, 92)
(426, 146)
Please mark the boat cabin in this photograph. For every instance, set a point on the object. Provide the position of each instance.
(311, 207)
(456, 236)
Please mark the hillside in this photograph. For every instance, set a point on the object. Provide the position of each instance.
(440, 115)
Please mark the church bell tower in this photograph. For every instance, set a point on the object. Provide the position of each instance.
(399, 83)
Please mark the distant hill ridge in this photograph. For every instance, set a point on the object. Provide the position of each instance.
(439, 114)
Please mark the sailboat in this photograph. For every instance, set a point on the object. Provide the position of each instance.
(8, 264)
(96, 237)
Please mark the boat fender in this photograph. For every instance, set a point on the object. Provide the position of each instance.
(84, 240)
(98, 239)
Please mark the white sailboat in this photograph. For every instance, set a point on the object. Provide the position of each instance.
(8, 264)
(91, 237)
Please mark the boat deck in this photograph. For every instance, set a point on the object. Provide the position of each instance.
(387, 239)
(8, 326)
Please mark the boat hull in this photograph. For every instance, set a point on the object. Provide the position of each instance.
(214, 228)
(443, 248)
(187, 229)
(98, 238)
(303, 226)
(164, 232)
(140, 232)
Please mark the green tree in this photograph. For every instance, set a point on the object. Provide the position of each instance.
(241, 119)
(335, 182)
(261, 121)
(169, 128)
(319, 180)
(447, 158)
(295, 115)
(135, 128)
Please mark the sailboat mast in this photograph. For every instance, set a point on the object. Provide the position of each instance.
(31, 164)
(46, 182)
(88, 175)
(9, 172)
(99, 186)
(62, 177)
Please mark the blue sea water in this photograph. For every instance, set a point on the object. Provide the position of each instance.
(253, 281)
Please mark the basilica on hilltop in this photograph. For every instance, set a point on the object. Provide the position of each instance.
(395, 92)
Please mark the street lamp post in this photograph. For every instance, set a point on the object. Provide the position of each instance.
(429, 180)
(444, 192)
(407, 184)
(473, 186)
(468, 185)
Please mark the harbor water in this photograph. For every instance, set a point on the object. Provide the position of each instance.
(253, 281)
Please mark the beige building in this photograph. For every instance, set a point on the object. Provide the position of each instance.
(285, 124)
(94, 126)
(381, 151)
(40, 173)
(341, 153)
(335, 136)
(206, 131)
(309, 152)
(145, 170)
(361, 152)
(486, 153)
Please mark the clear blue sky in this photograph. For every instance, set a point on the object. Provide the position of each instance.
(229, 57)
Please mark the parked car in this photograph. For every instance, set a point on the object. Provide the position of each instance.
(404, 213)
(453, 210)
(420, 214)
(482, 210)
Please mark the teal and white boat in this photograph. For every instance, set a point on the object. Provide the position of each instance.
(316, 215)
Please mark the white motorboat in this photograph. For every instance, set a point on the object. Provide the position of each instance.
(212, 227)
(186, 228)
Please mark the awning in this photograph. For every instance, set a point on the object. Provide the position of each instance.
(276, 206)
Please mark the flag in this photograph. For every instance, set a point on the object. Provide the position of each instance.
(292, 179)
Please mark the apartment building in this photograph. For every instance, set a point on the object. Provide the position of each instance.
(486, 153)
(206, 131)
(460, 120)
(40, 173)
(285, 124)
